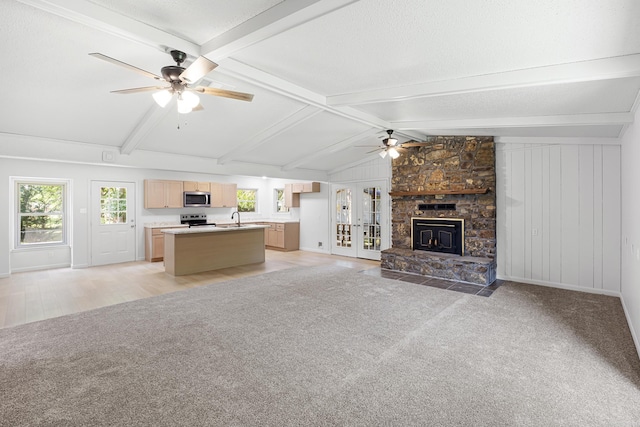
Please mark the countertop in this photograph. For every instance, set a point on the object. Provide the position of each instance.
(255, 221)
(165, 225)
(230, 228)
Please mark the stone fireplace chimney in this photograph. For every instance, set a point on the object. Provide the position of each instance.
(452, 179)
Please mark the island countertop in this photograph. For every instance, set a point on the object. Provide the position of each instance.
(213, 229)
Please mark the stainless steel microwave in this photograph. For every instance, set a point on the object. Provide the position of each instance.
(197, 199)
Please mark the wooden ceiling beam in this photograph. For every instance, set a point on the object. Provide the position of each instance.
(575, 72)
(273, 21)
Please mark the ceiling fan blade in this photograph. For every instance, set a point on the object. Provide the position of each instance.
(224, 93)
(197, 70)
(125, 65)
(198, 107)
(140, 89)
(414, 144)
(373, 151)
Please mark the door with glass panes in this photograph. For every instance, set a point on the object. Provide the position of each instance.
(360, 219)
(113, 228)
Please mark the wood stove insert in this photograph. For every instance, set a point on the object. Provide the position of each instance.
(438, 235)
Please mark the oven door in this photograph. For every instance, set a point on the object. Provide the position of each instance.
(197, 199)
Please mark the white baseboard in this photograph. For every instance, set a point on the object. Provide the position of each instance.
(633, 332)
(316, 250)
(4, 275)
(561, 286)
(40, 267)
(77, 266)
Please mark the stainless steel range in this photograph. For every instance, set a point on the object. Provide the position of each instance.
(196, 220)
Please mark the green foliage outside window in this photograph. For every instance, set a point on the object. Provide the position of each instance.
(113, 205)
(280, 206)
(41, 213)
(247, 200)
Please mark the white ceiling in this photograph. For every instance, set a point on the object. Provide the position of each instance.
(329, 76)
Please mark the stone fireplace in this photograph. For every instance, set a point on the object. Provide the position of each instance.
(443, 210)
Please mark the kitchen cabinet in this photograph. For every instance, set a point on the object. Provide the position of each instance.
(154, 243)
(284, 236)
(197, 186)
(292, 192)
(291, 199)
(311, 187)
(224, 195)
(162, 194)
(305, 187)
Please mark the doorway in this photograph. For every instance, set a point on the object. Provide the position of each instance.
(113, 228)
(360, 219)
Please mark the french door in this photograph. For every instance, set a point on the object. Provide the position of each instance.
(360, 219)
(113, 227)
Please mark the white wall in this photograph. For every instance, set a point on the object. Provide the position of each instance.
(80, 177)
(558, 214)
(630, 287)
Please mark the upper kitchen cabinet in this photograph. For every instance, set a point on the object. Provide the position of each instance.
(162, 194)
(197, 186)
(291, 198)
(292, 192)
(224, 195)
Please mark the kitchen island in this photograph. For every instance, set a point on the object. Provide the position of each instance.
(194, 250)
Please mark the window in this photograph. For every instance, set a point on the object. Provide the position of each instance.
(41, 217)
(279, 197)
(247, 200)
(113, 205)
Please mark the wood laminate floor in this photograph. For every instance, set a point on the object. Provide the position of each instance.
(32, 296)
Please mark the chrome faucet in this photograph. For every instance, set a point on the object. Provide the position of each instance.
(233, 214)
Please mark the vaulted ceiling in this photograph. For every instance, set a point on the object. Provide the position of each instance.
(329, 76)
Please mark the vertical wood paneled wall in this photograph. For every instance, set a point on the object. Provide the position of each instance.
(375, 169)
(558, 215)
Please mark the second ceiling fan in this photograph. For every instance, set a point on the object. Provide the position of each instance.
(179, 79)
(393, 148)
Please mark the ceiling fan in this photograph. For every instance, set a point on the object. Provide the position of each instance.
(179, 79)
(392, 147)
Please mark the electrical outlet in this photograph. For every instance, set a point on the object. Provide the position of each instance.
(319, 244)
(534, 231)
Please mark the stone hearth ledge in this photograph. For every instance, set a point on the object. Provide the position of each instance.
(468, 269)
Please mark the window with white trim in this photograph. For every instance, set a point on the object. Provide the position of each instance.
(41, 217)
(247, 200)
(279, 199)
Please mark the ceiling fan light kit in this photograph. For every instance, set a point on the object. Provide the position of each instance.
(179, 79)
(393, 153)
(162, 97)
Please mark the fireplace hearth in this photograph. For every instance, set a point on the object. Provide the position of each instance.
(438, 235)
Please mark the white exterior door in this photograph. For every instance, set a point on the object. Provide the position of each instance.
(360, 219)
(113, 228)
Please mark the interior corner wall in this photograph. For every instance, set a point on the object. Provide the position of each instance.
(558, 215)
(314, 213)
(630, 230)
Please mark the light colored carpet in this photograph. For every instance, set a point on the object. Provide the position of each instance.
(327, 346)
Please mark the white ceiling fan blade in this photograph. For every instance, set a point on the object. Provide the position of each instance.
(125, 65)
(197, 70)
(224, 93)
(140, 89)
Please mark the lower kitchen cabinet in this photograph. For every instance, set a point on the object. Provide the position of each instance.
(154, 243)
(283, 236)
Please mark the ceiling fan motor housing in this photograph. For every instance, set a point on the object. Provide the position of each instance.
(171, 73)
